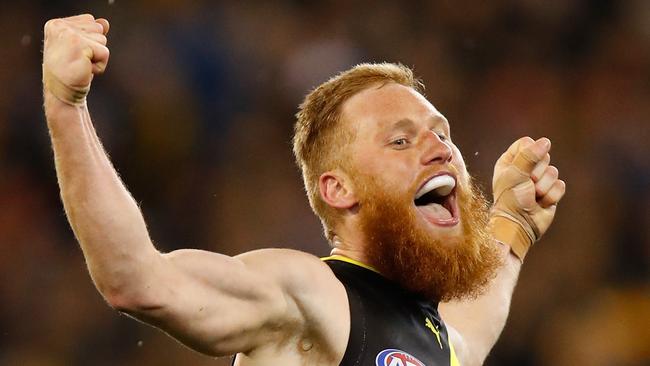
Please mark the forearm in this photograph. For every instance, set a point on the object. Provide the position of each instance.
(106, 220)
(480, 321)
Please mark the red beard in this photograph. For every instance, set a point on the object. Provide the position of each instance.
(404, 251)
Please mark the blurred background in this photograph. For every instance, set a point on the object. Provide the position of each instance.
(196, 110)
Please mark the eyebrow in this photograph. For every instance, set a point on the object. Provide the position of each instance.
(407, 124)
(403, 124)
(440, 119)
(444, 121)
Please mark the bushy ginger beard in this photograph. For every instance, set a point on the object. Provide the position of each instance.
(399, 247)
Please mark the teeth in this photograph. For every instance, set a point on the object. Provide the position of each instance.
(442, 184)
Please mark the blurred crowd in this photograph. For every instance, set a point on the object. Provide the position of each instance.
(196, 111)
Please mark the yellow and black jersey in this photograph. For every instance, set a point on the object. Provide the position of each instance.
(388, 325)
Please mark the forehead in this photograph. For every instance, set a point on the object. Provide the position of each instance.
(379, 107)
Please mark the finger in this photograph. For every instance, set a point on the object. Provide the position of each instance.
(87, 26)
(99, 68)
(550, 210)
(100, 61)
(546, 182)
(105, 25)
(98, 55)
(515, 147)
(80, 17)
(554, 195)
(507, 157)
(529, 156)
(540, 168)
(95, 37)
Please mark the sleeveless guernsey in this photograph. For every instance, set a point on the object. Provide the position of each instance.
(389, 326)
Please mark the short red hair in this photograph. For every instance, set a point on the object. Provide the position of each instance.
(319, 142)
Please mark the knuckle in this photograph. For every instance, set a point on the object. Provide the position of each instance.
(535, 175)
(556, 193)
(52, 25)
(524, 143)
(74, 39)
(101, 49)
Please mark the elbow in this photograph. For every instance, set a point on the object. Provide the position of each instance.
(119, 301)
(130, 289)
(131, 300)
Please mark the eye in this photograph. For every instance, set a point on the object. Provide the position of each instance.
(441, 136)
(400, 142)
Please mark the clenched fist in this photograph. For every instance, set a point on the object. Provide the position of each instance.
(526, 192)
(74, 51)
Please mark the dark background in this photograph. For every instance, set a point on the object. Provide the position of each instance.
(196, 111)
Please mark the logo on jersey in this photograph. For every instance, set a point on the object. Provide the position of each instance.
(395, 357)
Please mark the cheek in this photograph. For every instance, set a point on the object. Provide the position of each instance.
(394, 175)
(459, 163)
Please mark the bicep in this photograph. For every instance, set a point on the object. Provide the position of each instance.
(214, 303)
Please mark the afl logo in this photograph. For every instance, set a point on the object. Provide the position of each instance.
(395, 357)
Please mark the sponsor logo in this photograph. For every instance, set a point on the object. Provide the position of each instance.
(395, 357)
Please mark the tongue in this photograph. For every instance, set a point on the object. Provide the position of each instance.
(436, 210)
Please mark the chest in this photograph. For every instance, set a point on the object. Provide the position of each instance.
(395, 332)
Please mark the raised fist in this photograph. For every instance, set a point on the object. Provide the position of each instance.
(74, 51)
(526, 192)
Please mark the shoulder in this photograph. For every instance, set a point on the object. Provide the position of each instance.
(310, 283)
(292, 267)
(302, 275)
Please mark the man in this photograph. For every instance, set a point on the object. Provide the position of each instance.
(407, 227)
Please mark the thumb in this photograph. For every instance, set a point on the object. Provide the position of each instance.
(509, 155)
(530, 154)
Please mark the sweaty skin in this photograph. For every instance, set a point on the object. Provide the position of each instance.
(272, 306)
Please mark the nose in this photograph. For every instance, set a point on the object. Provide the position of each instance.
(436, 151)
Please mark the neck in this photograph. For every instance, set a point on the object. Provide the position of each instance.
(350, 248)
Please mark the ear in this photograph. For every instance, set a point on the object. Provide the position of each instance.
(336, 190)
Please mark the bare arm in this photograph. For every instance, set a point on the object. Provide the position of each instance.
(527, 190)
(102, 213)
(476, 325)
(213, 303)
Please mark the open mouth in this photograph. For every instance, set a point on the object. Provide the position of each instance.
(436, 200)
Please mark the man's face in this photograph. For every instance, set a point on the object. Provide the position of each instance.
(402, 141)
(424, 224)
